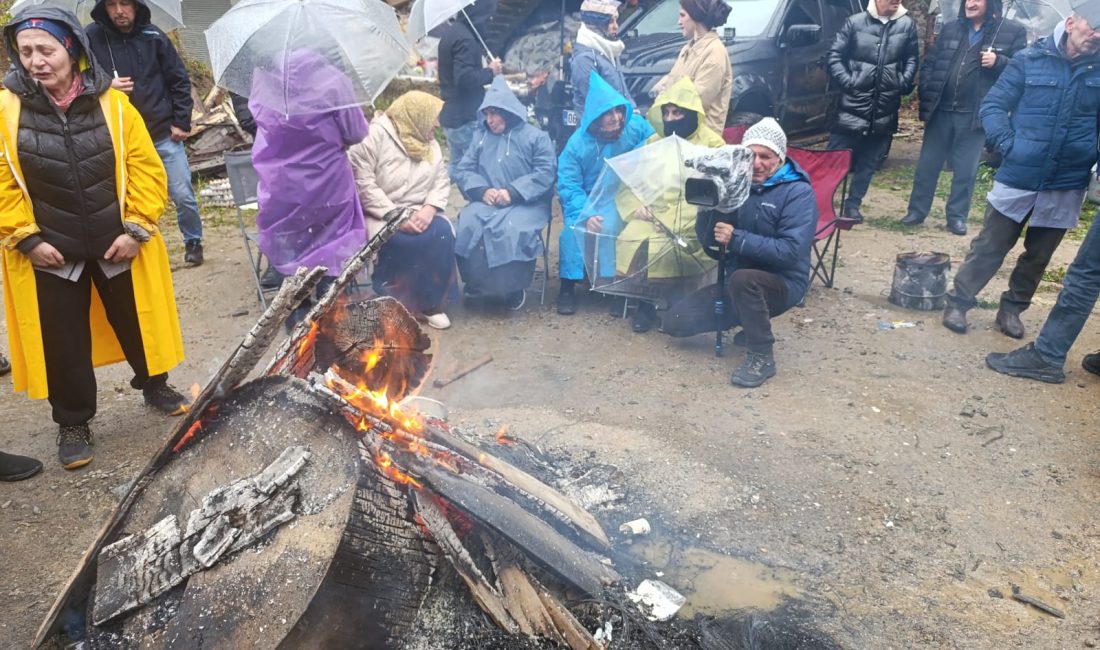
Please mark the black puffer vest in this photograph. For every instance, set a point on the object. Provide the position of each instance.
(69, 167)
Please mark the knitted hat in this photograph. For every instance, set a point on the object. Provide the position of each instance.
(59, 30)
(767, 133)
(598, 13)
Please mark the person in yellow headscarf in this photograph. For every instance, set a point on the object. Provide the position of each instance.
(399, 168)
(658, 246)
(85, 270)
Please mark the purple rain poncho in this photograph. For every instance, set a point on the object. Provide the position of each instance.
(309, 207)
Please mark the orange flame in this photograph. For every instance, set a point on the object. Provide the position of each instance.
(308, 339)
(385, 463)
(502, 436)
(195, 391)
(195, 428)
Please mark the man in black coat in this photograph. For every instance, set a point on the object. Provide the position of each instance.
(874, 61)
(462, 77)
(146, 66)
(967, 58)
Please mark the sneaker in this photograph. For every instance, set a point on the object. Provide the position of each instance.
(645, 317)
(516, 300)
(165, 399)
(74, 446)
(912, 220)
(1027, 363)
(193, 253)
(5, 365)
(756, 370)
(438, 321)
(17, 468)
(567, 303)
(1091, 363)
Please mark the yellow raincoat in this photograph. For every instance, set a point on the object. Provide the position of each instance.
(675, 213)
(142, 192)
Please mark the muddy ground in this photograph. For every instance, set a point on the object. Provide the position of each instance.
(885, 478)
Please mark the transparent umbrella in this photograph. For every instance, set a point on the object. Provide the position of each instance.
(166, 14)
(646, 246)
(426, 15)
(266, 50)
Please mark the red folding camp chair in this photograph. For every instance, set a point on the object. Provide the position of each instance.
(828, 171)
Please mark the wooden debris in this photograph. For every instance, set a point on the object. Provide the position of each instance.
(138, 568)
(1018, 596)
(443, 381)
(520, 597)
(575, 634)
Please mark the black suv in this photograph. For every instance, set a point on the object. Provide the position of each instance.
(778, 50)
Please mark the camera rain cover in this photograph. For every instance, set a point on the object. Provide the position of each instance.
(645, 245)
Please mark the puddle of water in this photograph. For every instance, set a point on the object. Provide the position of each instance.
(714, 583)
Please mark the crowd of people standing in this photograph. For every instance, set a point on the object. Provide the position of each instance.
(89, 170)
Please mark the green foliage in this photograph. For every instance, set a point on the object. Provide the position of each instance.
(1056, 274)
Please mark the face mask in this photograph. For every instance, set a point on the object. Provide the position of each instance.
(684, 126)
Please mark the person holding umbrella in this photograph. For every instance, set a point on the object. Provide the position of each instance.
(462, 77)
(86, 277)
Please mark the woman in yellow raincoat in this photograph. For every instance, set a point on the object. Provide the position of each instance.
(658, 243)
(85, 270)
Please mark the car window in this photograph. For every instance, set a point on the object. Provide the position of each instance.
(748, 17)
(803, 12)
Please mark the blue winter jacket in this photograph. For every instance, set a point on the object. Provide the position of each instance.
(1041, 115)
(584, 61)
(773, 230)
(579, 167)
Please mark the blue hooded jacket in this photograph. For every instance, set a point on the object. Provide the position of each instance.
(774, 230)
(580, 164)
(1041, 115)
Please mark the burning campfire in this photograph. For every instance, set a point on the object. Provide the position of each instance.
(310, 507)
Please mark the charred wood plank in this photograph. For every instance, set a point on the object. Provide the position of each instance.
(541, 543)
(575, 635)
(520, 597)
(487, 596)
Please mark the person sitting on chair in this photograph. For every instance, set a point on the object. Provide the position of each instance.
(767, 247)
(669, 221)
(608, 128)
(507, 175)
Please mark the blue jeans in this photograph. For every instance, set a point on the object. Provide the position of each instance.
(458, 141)
(947, 136)
(1075, 302)
(180, 190)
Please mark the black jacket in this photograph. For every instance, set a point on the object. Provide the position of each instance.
(68, 165)
(1007, 37)
(873, 78)
(462, 78)
(162, 89)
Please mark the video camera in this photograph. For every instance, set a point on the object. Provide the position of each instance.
(727, 178)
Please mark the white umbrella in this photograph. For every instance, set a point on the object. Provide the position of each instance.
(270, 39)
(166, 14)
(426, 15)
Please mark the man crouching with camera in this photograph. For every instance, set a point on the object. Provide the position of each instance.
(763, 248)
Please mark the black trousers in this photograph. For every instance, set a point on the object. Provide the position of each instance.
(987, 253)
(753, 298)
(867, 151)
(63, 311)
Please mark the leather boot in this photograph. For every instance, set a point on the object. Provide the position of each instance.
(17, 468)
(1008, 320)
(954, 319)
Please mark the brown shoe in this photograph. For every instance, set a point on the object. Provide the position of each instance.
(1009, 322)
(954, 319)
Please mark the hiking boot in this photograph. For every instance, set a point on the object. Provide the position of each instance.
(617, 308)
(1027, 363)
(645, 317)
(567, 302)
(192, 255)
(74, 446)
(271, 278)
(956, 226)
(5, 365)
(1009, 322)
(1091, 363)
(756, 370)
(912, 220)
(17, 468)
(165, 399)
(954, 319)
(852, 214)
(515, 300)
